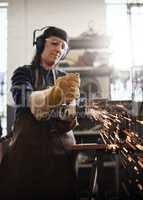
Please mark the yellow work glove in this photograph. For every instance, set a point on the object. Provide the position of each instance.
(66, 89)
(42, 102)
(69, 85)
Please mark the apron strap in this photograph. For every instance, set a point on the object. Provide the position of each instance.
(54, 75)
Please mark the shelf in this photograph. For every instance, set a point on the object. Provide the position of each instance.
(97, 41)
(84, 68)
(98, 71)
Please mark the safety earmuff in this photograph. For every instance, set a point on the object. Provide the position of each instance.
(40, 41)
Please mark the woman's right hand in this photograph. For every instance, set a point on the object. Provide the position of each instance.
(69, 85)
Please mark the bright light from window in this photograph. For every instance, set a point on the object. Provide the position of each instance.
(137, 34)
(124, 25)
(3, 4)
(3, 66)
(126, 32)
(118, 29)
(3, 39)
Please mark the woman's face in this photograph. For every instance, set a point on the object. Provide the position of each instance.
(54, 49)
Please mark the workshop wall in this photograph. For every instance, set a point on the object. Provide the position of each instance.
(26, 15)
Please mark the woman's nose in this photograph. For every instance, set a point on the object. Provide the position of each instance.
(59, 48)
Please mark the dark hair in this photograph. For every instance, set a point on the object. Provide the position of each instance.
(54, 31)
(36, 59)
(40, 41)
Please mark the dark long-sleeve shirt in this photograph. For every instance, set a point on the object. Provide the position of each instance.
(27, 79)
(30, 78)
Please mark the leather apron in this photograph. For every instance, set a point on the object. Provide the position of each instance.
(39, 164)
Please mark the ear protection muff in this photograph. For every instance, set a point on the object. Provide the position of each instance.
(40, 41)
(40, 44)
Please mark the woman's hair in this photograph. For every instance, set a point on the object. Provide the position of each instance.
(36, 59)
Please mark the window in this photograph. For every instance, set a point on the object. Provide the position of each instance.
(3, 65)
(118, 29)
(124, 26)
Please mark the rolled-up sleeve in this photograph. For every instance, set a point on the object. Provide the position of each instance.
(21, 88)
